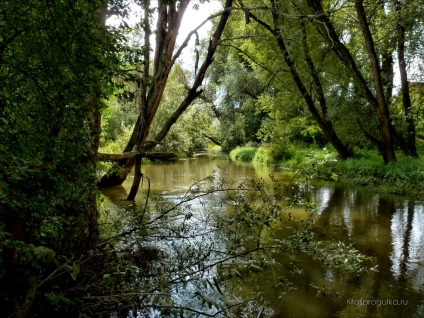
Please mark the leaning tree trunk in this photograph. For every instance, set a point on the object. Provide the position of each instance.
(343, 151)
(321, 119)
(192, 94)
(168, 24)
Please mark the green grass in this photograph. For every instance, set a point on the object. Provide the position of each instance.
(405, 177)
(244, 154)
(366, 168)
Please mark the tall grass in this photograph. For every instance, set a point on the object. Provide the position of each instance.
(244, 154)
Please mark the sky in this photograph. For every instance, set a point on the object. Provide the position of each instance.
(191, 20)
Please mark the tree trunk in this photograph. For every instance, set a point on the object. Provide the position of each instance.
(325, 125)
(94, 123)
(406, 98)
(378, 103)
(137, 178)
(343, 151)
(386, 138)
(168, 24)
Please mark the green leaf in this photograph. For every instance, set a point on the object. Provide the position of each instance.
(237, 272)
(256, 268)
(217, 286)
(75, 271)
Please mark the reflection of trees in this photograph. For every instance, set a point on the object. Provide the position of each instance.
(378, 228)
(115, 194)
(407, 255)
(331, 218)
(380, 287)
(403, 243)
(389, 234)
(405, 250)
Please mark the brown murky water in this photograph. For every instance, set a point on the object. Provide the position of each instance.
(389, 228)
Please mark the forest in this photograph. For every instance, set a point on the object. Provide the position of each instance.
(94, 91)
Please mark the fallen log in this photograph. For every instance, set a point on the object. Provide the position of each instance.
(131, 154)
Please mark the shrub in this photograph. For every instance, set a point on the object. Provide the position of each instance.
(244, 154)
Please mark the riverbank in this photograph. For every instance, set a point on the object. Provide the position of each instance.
(366, 168)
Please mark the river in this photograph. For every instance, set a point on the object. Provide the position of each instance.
(388, 228)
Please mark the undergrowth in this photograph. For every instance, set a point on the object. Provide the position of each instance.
(244, 154)
(366, 168)
(404, 177)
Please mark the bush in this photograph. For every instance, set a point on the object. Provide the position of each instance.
(367, 169)
(263, 155)
(244, 154)
(274, 153)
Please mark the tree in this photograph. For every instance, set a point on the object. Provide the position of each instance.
(235, 87)
(401, 26)
(169, 20)
(55, 66)
(385, 144)
(381, 69)
(305, 76)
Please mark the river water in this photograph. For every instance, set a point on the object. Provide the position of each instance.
(389, 228)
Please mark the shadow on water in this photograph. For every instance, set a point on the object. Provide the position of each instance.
(389, 228)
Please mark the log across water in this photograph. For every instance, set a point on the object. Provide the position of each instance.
(132, 154)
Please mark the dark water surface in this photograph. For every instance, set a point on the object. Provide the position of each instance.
(389, 228)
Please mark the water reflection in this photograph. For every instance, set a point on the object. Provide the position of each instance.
(408, 243)
(389, 228)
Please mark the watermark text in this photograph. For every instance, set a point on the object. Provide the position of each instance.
(377, 302)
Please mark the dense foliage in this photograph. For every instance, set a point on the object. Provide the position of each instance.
(54, 72)
(302, 73)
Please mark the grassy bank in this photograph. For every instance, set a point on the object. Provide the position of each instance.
(405, 177)
(366, 168)
(293, 158)
(243, 154)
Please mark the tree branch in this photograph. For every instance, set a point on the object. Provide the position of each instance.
(133, 154)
